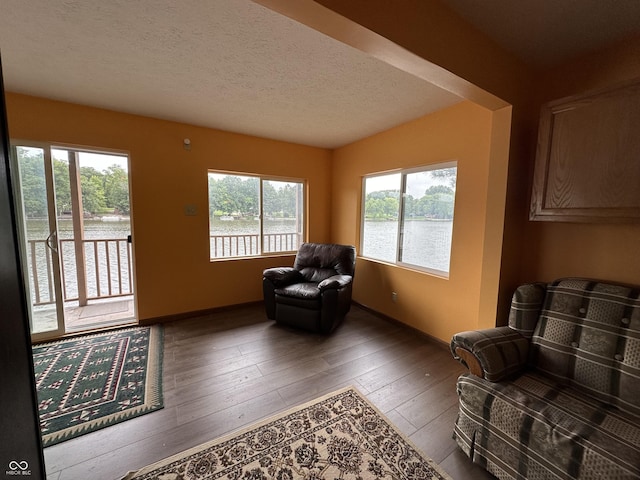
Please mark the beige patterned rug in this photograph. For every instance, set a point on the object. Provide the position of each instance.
(340, 435)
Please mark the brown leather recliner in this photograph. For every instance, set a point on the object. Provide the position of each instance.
(314, 294)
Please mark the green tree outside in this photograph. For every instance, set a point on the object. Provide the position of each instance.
(92, 185)
(116, 189)
(101, 191)
(382, 205)
(34, 189)
(239, 196)
(437, 203)
(63, 186)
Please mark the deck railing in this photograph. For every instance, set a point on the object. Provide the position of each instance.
(249, 244)
(107, 270)
(108, 264)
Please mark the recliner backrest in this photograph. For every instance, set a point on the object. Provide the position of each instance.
(319, 261)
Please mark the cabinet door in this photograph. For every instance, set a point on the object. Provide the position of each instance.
(588, 160)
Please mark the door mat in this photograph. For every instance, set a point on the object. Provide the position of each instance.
(94, 381)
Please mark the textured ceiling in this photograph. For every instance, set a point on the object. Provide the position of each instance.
(227, 64)
(237, 66)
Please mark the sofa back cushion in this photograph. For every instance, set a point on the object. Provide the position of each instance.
(588, 336)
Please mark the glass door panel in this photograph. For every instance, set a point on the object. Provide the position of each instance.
(95, 239)
(36, 208)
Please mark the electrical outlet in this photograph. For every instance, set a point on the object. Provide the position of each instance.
(394, 297)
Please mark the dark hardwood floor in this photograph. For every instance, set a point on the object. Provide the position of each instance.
(227, 370)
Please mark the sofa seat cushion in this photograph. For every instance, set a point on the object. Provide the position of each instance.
(532, 427)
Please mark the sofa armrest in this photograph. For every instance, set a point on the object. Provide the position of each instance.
(335, 281)
(282, 276)
(493, 353)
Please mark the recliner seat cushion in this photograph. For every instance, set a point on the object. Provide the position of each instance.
(303, 295)
(305, 291)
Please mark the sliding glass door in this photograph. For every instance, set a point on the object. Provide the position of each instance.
(73, 207)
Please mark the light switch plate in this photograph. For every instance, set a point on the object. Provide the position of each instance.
(190, 210)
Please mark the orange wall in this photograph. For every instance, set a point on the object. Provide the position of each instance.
(173, 271)
(432, 304)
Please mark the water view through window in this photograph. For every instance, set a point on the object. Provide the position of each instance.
(408, 217)
(250, 215)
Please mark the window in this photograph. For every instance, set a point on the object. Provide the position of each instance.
(408, 217)
(250, 215)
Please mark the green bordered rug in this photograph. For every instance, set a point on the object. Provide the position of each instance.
(90, 382)
(339, 436)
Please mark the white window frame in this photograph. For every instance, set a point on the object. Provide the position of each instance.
(401, 207)
(261, 236)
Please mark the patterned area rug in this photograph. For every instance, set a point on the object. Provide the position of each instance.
(340, 435)
(91, 382)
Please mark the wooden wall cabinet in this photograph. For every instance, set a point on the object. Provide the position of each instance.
(588, 159)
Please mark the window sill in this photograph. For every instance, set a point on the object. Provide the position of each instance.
(253, 257)
(413, 268)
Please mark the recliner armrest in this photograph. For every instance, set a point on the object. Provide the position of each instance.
(335, 281)
(493, 353)
(282, 276)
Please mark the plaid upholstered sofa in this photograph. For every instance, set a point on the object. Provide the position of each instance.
(556, 393)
